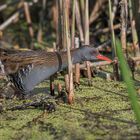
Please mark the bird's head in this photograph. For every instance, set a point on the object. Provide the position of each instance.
(92, 54)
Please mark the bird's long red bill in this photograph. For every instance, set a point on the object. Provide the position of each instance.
(101, 57)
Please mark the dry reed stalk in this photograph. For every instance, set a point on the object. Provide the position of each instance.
(3, 7)
(73, 24)
(29, 21)
(66, 77)
(87, 38)
(115, 67)
(78, 21)
(77, 66)
(97, 10)
(82, 9)
(112, 29)
(133, 28)
(136, 12)
(67, 34)
(106, 30)
(114, 8)
(9, 21)
(41, 21)
(124, 16)
(7, 4)
(59, 30)
(95, 64)
(75, 43)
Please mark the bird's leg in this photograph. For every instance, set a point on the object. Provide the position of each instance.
(62, 94)
(52, 86)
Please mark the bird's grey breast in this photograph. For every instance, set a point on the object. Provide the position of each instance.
(18, 78)
(28, 77)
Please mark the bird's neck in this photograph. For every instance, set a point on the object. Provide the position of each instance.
(75, 58)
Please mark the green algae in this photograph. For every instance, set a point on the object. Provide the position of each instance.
(102, 111)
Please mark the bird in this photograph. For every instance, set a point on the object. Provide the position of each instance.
(26, 69)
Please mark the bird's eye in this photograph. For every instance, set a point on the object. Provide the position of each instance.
(93, 52)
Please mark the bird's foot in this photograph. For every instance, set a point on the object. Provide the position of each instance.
(62, 96)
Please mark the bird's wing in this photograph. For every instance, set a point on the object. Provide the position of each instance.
(14, 61)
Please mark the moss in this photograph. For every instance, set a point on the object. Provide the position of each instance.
(102, 111)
